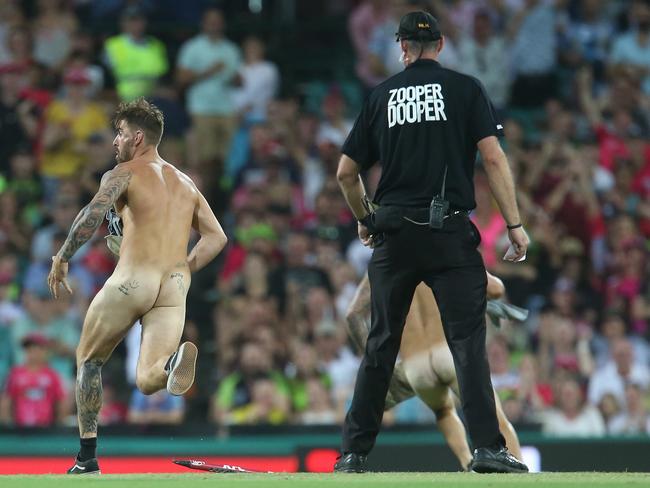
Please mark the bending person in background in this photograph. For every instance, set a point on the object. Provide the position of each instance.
(156, 206)
(426, 367)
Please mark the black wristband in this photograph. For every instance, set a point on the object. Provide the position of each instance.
(366, 220)
(516, 226)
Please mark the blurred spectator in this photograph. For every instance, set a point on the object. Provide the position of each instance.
(572, 416)
(70, 122)
(113, 411)
(81, 60)
(613, 328)
(384, 53)
(303, 370)
(136, 60)
(19, 44)
(34, 395)
(268, 405)
(11, 15)
(44, 317)
(505, 380)
(344, 280)
(337, 360)
(17, 125)
(628, 274)
(260, 81)
(619, 371)
(490, 224)
(534, 394)
(10, 310)
(609, 407)
(532, 31)
(236, 389)
(100, 154)
(14, 233)
(586, 39)
(297, 276)
(562, 348)
(207, 65)
(53, 27)
(335, 125)
(484, 55)
(622, 125)
(632, 48)
(320, 409)
(634, 419)
(158, 408)
(362, 22)
(177, 121)
(25, 183)
(62, 213)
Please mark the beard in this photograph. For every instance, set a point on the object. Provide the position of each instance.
(124, 154)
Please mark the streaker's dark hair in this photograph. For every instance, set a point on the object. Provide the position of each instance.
(144, 115)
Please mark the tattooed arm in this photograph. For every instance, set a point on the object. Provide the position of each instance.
(358, 315)
(114, 184)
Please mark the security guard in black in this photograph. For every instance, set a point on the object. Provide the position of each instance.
(423, 126)
(415, 123)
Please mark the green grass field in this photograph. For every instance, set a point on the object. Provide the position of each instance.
(374, 480)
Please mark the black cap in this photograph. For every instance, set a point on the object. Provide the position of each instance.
(418, 26)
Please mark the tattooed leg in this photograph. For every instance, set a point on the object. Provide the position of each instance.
(89, 396)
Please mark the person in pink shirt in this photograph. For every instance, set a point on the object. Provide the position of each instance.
(490, 224)
(33, 395)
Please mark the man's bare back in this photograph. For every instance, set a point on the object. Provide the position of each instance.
(156, 212)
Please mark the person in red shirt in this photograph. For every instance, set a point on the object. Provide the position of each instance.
(33, 395)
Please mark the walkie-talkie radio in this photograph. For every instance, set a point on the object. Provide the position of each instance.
(439, 206)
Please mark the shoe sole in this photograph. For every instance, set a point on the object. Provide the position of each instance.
(485, 467)
(349, 470)
(181, 377)
(85, 474)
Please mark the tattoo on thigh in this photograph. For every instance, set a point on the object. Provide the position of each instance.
(127, 286)
(89, 395)
(179, 281)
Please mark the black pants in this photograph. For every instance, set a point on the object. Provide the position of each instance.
(449, 263)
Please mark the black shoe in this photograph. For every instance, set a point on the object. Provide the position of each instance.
(350, 463)
(496, 460)
(85, 467)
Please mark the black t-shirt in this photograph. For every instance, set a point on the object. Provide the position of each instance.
(416, 122)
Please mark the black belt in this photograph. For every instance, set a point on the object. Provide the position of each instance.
(420, 216)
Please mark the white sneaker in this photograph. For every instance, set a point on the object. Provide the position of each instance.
(181, 369)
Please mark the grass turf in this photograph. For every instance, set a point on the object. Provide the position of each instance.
(374, 480)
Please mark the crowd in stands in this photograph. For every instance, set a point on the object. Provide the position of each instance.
(571, 82)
